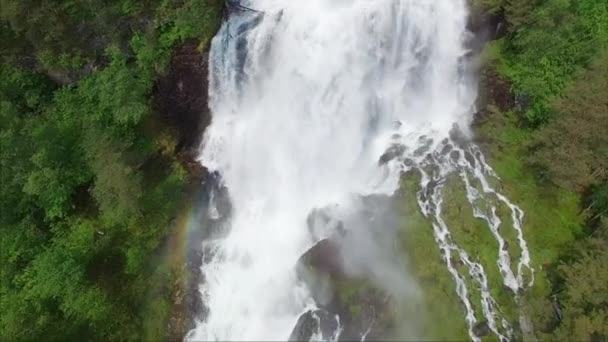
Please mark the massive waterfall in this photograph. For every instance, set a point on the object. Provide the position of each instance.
(314, 103)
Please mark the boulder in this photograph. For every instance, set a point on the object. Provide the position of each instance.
(314, 322)
(362, 308)
(393, 152)
(322, 225)
(481, 329)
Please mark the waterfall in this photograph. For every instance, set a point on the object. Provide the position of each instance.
(316, 102)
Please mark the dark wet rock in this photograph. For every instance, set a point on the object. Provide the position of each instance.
(305, 328)
(328, 323)
(495, 96)
(324, 257)
(180, 98)
(181, 94)
(321, 224)
(360, 306)
(423, 197)
(481, 329)
(234, 7)
(425, 147)
(446, 149)
(455, 155)
(479, 156)
(470, 159)
(311, 322)
(395, 151)
(423, 139)
(422, 150)
(409, 162)
(458, 137)
(485, 26)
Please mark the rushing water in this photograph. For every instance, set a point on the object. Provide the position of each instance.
(315, 102)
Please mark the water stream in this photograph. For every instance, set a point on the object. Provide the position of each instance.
(320, 101)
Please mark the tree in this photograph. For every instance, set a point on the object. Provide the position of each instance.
(586, 292)
(573, 147)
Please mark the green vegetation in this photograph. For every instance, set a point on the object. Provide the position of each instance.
(440, 304)
(548, 41)
(88, 190)
(475, 237)
(544, 130)
(549, 147)
(90, 182)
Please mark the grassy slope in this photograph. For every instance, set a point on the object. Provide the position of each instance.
(552, 221)
(442, 310)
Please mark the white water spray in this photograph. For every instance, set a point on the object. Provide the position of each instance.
(307, 97)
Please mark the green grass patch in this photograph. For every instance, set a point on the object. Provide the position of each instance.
(552, 216)
(351, 292)
(474, 236)
(442, 313)
(552, 219)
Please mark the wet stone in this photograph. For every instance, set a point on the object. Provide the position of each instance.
(458, 137)
(420, 151)
(469, 157)
(309, 324)
(321, 224)
(481, 329)
(409, 162)
(391, 153)
(324, 256)
(446, 149)
(455, 155)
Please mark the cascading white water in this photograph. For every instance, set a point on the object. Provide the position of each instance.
(307, 96)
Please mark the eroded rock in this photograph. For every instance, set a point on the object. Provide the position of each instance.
(362, 308)
(314, 322)
(481, 329)
(395, 151)
(181, 99)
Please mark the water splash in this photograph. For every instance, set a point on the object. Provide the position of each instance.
(315, 102)
(436, 163)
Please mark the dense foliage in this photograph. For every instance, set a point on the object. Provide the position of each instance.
(555, 56)
(89, 182)
(88, 188)
(547, 42)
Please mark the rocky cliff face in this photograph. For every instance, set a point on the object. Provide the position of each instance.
(344, 271)
(350, 303)
(181, 96)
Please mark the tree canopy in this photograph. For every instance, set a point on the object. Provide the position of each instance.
(82, 208)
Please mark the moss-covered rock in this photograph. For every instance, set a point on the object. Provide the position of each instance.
(440, 302)
(362, 307)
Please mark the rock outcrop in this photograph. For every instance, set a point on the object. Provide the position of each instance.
(361, 308)
(181, 99)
